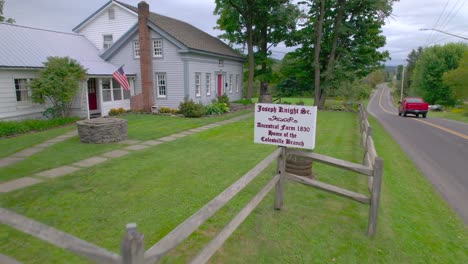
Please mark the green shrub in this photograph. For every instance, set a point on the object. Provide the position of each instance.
(189, 108)
(9, 128)
(300, 102)
(116, 111)
(216, 109)
(223, 99)
(167, 110)
(286, 102)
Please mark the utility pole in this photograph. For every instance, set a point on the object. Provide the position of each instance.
(424, 29)
(402, 81)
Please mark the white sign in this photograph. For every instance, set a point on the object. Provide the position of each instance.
(285, 125)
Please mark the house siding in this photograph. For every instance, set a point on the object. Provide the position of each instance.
(207, 64)
(171, 64)
(102, 25)
(10, 109)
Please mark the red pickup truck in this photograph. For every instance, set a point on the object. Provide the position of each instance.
(413, 105)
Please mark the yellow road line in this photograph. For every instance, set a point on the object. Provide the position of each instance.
(444, 129)
(425, 122)
(380, 104)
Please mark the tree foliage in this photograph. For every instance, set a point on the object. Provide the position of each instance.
(2, 18)
(351, 36)
(58, 84)
(430, 68)
(259, 23)
(457, 79)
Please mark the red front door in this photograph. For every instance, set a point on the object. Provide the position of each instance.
(92, 97)
(220, 84)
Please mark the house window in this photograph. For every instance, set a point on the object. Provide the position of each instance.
(136, 49)
(161, 84)
(116, 90)
(106, 90)
(22, 90)
(230, 83)
(107, 41)
(208, 83)
(221, 63)
(237, 83)
(157, 48)
(111, 13)
(197, 84)
(112, 91)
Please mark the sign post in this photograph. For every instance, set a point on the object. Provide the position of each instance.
(285, 125)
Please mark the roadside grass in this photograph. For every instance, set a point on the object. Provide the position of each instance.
(160, 187)
(141, 127)
(461, 117)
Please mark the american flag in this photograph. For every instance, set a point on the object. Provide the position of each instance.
(121, 78)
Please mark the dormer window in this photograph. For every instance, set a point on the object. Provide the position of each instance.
(111, 13)
(107, 41)
(136, 49)
(157, 48)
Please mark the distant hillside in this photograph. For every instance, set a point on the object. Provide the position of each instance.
(391, 69)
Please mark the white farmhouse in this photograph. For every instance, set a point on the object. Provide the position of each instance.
(166, 60)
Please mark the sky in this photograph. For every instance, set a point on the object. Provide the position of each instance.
(402, 29)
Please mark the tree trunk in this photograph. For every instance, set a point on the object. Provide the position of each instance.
(317, 47)
(250, 82)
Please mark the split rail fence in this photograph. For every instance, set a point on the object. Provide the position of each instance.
(132, 245)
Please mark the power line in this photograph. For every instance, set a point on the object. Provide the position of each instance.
(443, 24)
(436, 23)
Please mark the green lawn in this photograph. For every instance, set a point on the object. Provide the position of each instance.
(141, 127)
(160, 187)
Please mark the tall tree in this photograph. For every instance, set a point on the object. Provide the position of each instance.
(261, 24)
(2, 18)
(236, 18)
(351, 35)
(413, 57)
(434, 62)
(457, 79)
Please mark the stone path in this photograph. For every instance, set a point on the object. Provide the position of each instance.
(25, 153)
(131, 146)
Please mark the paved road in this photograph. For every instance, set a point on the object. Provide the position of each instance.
(439, 147)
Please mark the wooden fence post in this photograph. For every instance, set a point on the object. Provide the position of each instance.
(375, 197)
(279, 189)
(132, 246)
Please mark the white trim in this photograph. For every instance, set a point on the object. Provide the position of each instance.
(156, 78)
(154, 41)
(208, 84)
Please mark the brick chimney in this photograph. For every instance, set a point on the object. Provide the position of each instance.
(146, 66)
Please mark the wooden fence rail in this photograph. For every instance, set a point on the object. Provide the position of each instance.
(132, 245)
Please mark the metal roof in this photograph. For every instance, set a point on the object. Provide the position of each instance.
(189, 35)
(26, 47)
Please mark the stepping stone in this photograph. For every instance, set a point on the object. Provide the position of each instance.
(197, 130)
(129, 142)
(55, 140)
(27, 152)
(45, 144)
(8, 260)
(152, 142)
(89, 162)
(167, 139)
(136, 147)
(186, 133)
(115, 153)
(18, 184)
(72, 133)
(9, 160)
(180, 135)
(64, 137)
(58, 172)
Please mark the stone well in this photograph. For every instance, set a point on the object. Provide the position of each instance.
(102, 130)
